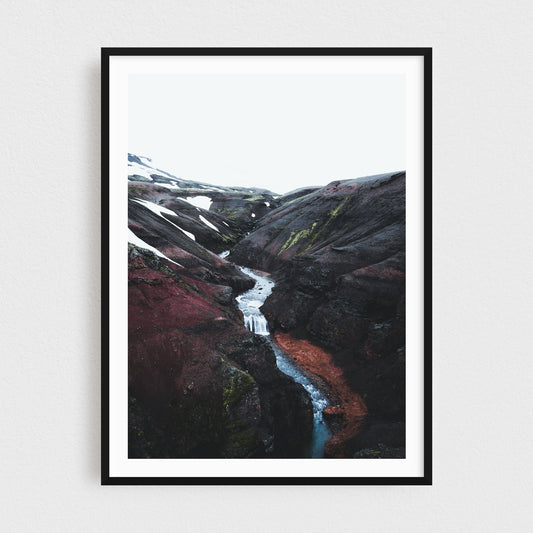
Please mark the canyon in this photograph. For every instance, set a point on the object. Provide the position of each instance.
(264, 325)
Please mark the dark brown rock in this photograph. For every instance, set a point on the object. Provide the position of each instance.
(338, 257)
(200, 385)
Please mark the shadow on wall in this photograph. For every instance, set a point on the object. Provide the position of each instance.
(90, 166)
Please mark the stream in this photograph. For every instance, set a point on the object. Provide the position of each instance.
(250, 303)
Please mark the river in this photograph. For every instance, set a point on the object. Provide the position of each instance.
(250, 303)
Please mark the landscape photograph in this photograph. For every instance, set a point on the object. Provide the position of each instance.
(266, 266)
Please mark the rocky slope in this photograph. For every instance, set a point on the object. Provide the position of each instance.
(217, 216)
(337, 254)
(200, 384)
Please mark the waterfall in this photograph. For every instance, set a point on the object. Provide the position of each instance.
(256, 323)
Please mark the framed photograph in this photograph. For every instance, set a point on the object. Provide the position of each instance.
(266, 266)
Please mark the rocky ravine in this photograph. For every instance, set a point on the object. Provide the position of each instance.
(337, 255)
(200, 384)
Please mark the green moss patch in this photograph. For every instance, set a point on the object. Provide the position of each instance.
(255, 198)
(297, 236)
(238, 384)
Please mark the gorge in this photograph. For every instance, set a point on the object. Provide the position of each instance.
(250, 303)
(226, 361)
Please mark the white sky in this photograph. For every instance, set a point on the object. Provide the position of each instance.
(276, 131)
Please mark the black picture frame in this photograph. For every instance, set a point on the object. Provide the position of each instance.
(426, 55)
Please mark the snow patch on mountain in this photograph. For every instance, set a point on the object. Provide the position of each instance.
(173, 186)
(200, 201)
(155, 208)
(145, 160)
(208, 224)
(159, 210)
(134, 169)
(138, 166)
(136, 241)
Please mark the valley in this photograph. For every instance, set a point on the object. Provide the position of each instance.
(290, 345)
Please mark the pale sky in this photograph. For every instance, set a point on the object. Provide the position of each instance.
(279, 132)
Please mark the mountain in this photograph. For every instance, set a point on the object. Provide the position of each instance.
(337, 255)
(236, 209)
(200, 384)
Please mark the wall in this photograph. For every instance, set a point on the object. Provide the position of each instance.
(49, 369)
